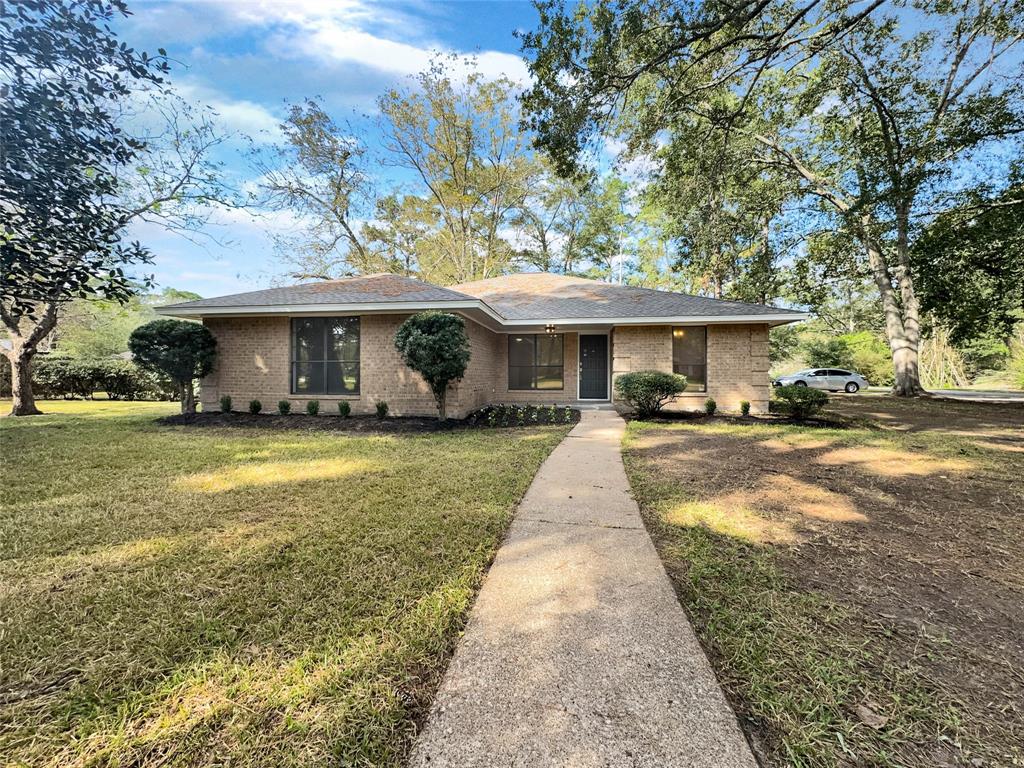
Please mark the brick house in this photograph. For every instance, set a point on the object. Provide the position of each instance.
(535, 338)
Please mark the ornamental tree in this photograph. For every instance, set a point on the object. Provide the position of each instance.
(180, 350)
(435, 345)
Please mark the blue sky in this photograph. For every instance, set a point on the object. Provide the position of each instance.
(247, 58)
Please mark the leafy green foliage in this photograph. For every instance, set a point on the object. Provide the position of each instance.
(62, 224)
(828, 352)
(435, 345)
(649, 391)
(381, 407)
(255, 406)
(284, 407)
(798, 402)
(180, 350)
(313, 407)
(97, 328)
(344, 409)
(710, 406)
(58, 376)
(225, 403)
(971, 266)
(744, 407)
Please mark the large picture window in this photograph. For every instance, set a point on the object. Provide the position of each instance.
(325, 356)
(690, 356)
(535, 361)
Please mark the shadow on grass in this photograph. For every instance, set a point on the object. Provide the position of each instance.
(259, 599)
(858, 592)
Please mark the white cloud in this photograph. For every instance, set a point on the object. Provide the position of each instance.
(235, 115)
(342, 31)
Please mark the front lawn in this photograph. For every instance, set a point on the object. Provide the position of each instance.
(171, 595)
(859, 590)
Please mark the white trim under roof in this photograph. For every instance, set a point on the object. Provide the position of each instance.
(565, 323)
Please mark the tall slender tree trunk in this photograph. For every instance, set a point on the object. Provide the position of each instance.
(902, 328)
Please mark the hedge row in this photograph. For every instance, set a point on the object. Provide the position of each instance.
(68, 378)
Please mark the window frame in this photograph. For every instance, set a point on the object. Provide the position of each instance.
(707, 384)
(536, 364)
(326, 325)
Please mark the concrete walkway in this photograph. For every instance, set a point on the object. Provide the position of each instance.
(577, 652)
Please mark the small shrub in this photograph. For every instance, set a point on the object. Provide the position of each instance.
(552, 414)
(492, 417)
(520, 416)
(313, 407)
(799, 402)
(648, 392)
(284, 407)
(382, 409)
(344, 409)
(567, 414)
(744, 407)
(255, 406)
(225, 403)
(710, 406)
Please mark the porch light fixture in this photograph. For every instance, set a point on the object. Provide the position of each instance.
(549, 328)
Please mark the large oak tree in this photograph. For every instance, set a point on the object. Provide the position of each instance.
(877, 121)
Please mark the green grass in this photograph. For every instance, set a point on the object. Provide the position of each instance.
(798, 661)
(187, 596)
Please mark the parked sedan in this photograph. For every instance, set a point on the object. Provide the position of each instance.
(832, 379)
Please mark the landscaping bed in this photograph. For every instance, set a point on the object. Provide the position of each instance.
(492, 416)
(245, 597)
(859, 591)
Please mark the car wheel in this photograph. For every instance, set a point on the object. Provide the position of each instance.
(852, 387)
(799, 383)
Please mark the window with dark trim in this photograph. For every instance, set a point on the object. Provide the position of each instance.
(535, 361)
(690, 356)
(325, 356)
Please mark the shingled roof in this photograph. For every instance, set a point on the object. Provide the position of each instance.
(544, 296)
(365, 289)
(529, 297)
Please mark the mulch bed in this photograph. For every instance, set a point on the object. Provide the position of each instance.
(370, 424)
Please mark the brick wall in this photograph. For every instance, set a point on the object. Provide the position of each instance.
(253, 362)
(737, 362)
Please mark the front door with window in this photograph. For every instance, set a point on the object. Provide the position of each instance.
(593, 367)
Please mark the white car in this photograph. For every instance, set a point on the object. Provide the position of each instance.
(832, 379)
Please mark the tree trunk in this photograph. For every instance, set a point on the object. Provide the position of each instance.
(188, 397)
(902, 335)
(442, 400)
(23, 349)
(24, 402)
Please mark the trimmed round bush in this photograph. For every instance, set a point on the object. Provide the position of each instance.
(647, 392)
(313, 407)
(382, 409)
(799, 402)
(710, 406)
(284, 407)
(744, 407)
(255, 406)
(344, 409)
(225, 403)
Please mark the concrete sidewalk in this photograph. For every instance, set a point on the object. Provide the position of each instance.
(577, 652)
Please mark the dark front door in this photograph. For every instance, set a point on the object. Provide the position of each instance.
(593, 367)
